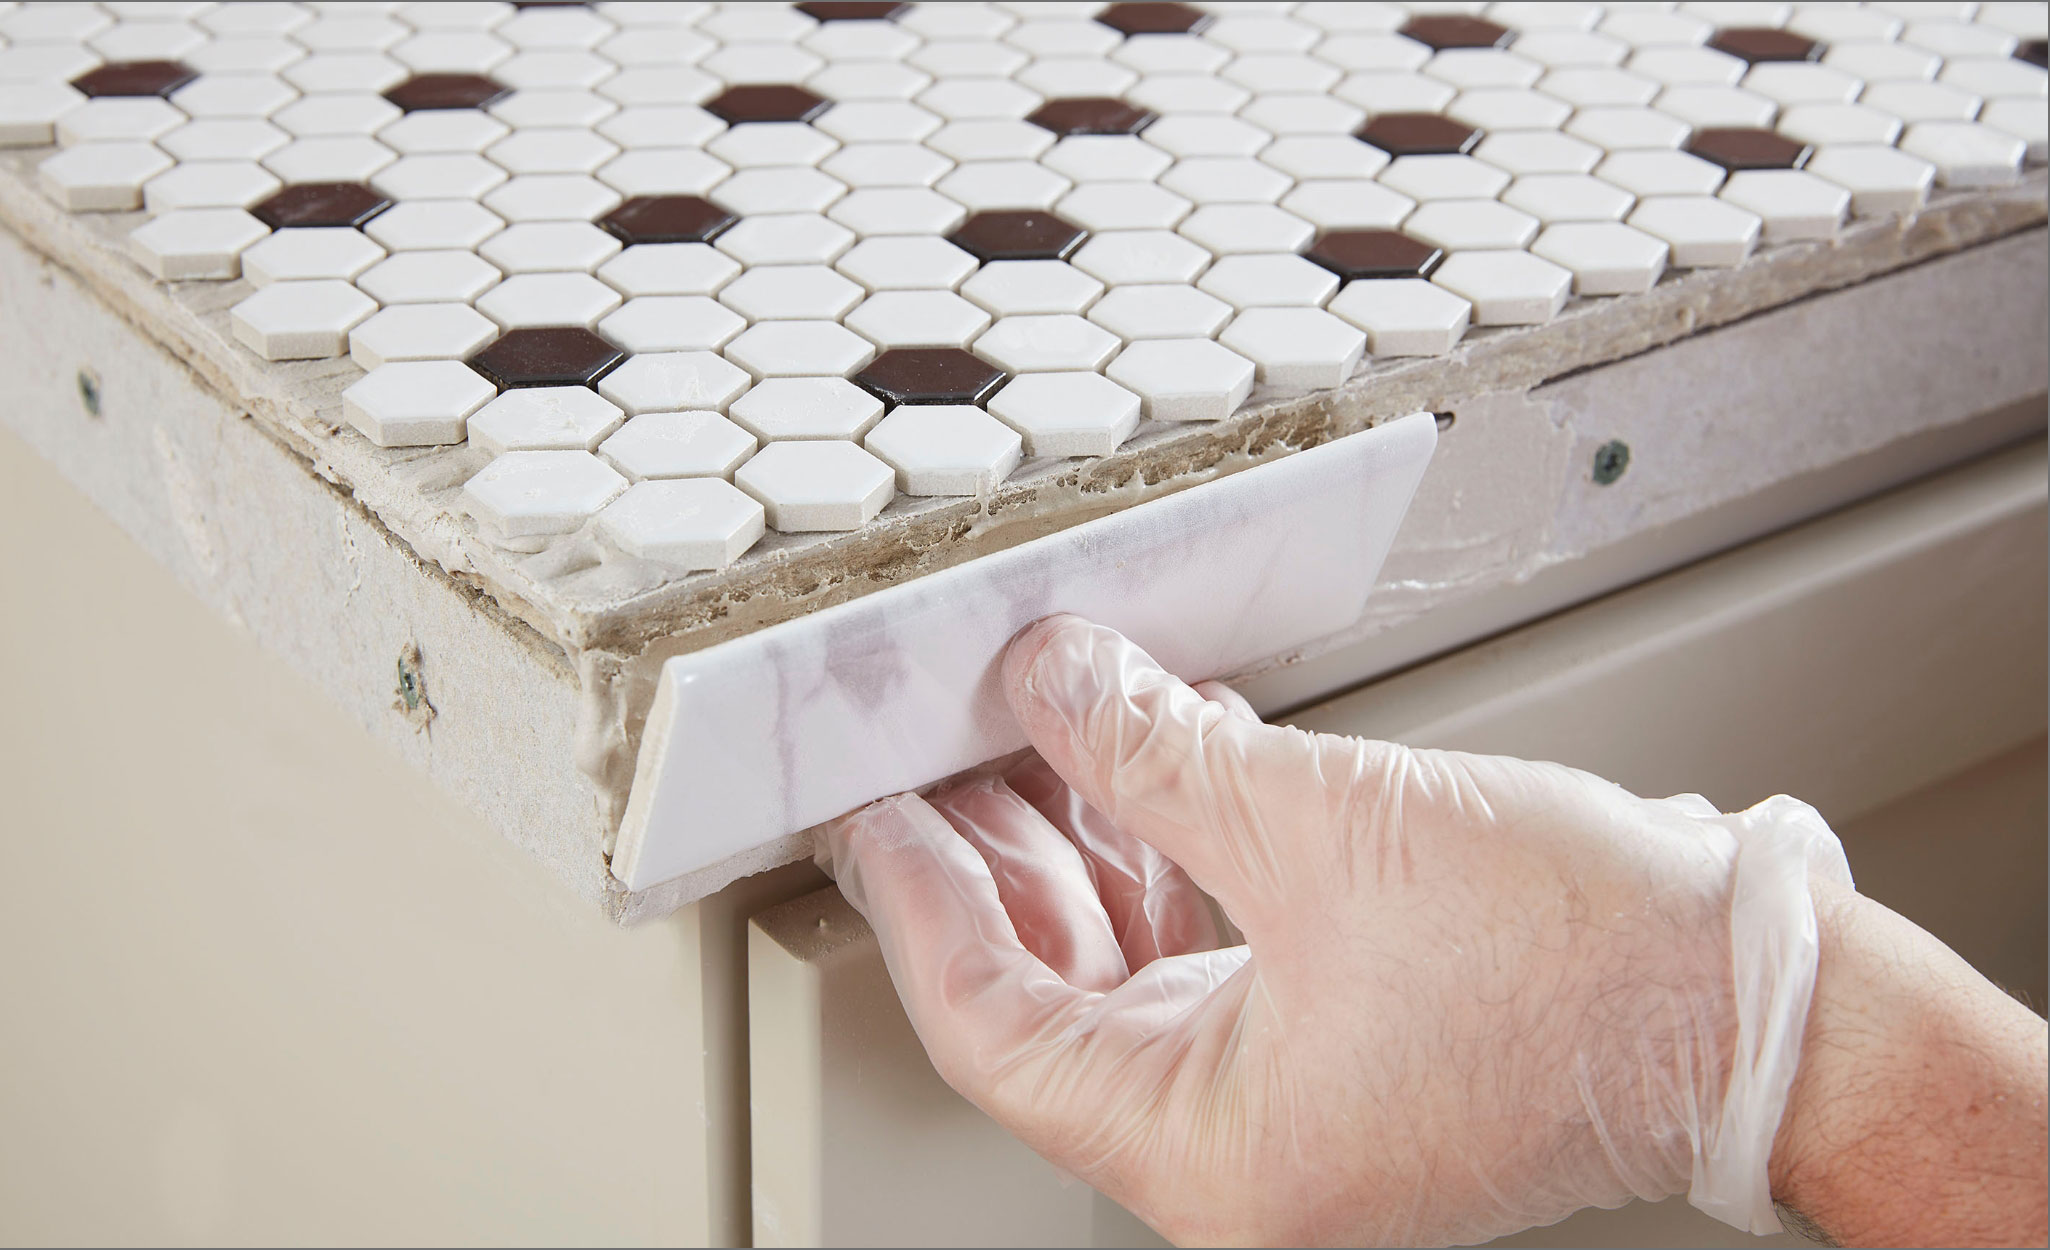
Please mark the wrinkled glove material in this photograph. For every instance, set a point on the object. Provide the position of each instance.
(1474, 995)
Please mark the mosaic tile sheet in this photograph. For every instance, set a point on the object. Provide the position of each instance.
(691, 273)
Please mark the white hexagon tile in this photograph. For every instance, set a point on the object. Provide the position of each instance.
(686, 272)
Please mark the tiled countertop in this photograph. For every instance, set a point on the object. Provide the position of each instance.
(656, 323)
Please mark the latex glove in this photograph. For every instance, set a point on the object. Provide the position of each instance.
(1476, 994)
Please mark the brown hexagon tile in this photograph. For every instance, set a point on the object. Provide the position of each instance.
(1154, 18)
(1418, 134)
(320, 204)
(1748, 147)
(425, 92)
(765, 103)
(667, 219)
(930, 375)
(1450, 30)
(1091, 115)
(1764, 43)
(851, 10)
(135, 78)
(1358, 254)
(549, 356)
(1016, 234)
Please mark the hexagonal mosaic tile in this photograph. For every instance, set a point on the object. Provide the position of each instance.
(687, 273)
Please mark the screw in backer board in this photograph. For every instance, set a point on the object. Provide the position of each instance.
(89, 390)
(1610, 459)
(411, 702)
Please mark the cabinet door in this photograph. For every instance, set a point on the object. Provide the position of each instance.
(856, 1140)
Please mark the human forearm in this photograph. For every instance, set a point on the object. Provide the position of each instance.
(1919, 1114)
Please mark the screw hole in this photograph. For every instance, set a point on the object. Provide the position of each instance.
(1610, 459)
(1445, 420)
(411, 701)
(89, 391)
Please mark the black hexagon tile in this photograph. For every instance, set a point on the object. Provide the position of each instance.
(428, 92)
(1016, 234)
(547, 356)
(930, 375)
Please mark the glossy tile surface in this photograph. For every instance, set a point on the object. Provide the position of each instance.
(685, 523)
(653, 242)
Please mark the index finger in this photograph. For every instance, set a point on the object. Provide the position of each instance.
(979, 1000)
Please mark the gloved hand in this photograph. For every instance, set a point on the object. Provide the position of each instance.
(1476, 993)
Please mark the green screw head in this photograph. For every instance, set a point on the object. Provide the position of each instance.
(1610, 459)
